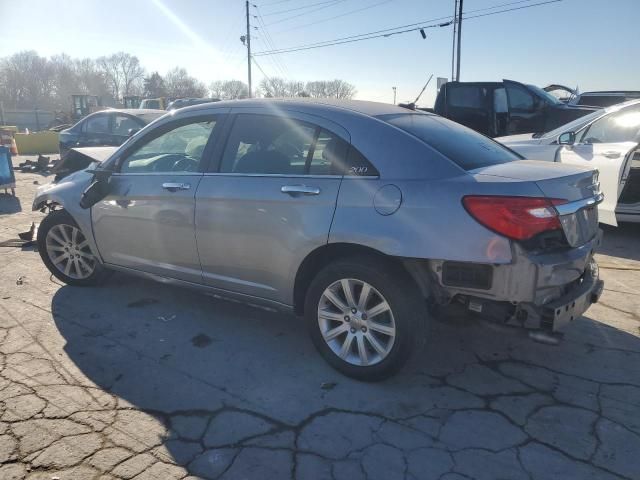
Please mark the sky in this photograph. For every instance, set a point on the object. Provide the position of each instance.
(591, 44)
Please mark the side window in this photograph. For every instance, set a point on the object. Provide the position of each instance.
(622, 126)
(264, 144)
(520, 100)
(466, 96)
(122, 124)
(178, 150)
(329, 154)
(97, 124)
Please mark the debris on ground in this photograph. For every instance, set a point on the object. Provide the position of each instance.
(328, 385)
(42, 164)
(21, 280)
(29, 234)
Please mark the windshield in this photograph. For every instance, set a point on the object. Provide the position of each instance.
(573, 126)
(465, 147)
(546, 96)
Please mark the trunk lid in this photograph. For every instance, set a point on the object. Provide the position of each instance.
(555, 180)
(577, 185)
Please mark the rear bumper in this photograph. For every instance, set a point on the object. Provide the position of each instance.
(536, 291)
(556, 315)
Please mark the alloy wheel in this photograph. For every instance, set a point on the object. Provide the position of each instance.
(356, 322)
(69, 251)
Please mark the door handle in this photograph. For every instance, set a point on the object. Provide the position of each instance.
(173, 187)
(611, 154)
(294, 190)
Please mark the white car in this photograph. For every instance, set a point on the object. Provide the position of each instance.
(607, 140)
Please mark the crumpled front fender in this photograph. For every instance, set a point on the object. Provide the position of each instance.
(67, 193)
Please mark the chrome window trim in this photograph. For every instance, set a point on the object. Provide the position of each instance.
(138, 174)
(573, 207)
(282, 175)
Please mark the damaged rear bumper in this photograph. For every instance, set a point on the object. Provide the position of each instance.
(537, 291)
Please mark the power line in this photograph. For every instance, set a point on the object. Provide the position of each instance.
(297, 8)
(410, 24)
(276, 59)
(274, 3)
(392, 31)
(331, 4)
(335, 16)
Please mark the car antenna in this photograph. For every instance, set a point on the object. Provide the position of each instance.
(412, 105)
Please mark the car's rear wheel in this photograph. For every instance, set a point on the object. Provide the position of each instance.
(364, 318)
(65, 251)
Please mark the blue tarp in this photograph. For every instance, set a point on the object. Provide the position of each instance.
(7, 177)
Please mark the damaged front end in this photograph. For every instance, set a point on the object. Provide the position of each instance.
(81, 158)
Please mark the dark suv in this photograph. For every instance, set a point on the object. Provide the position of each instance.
(504, 108)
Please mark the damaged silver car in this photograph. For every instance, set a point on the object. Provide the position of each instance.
(356, 216)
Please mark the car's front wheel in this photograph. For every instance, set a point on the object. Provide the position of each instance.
(365, 317)
(65, 251)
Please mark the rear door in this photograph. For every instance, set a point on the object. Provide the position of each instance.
(470, 104)
(146, 222)
(607, 145)
(269, 202)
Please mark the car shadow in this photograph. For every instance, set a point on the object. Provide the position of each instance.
(617, 241)
(189, 360)
(9, 204)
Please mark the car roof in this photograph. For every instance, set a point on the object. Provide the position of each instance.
(130, 111)
(619, 106)
(613, 93)
(372, 109)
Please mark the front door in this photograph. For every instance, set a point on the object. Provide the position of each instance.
(96, 131)
(607, 145)
(526, 113)
(270, 202)
(147, 221)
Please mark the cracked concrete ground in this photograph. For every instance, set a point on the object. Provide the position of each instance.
(136, 380)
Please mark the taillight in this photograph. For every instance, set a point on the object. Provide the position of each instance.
(518, 218)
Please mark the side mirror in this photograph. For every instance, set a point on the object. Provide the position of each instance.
(97, 189)
(567, 138)
(132, 132)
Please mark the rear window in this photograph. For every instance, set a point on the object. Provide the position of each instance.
(465, 147)
(466, 96)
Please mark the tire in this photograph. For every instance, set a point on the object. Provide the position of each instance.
(398, 330)
(58, 237)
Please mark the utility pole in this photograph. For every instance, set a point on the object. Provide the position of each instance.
(453, 44)
(248, 48)
(394, 95)
(459, 39)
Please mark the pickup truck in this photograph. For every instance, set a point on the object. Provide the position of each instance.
(504, 108)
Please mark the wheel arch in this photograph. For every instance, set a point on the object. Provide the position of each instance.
(325, 254)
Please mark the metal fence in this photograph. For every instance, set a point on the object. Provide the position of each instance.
(33, 119)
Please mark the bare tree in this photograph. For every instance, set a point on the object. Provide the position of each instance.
(123, 73)
(340, 89)
(330, 89)
(180, 84)
(317, 89)
(228, 89)
(154, 86)
(91, 80)
(26, 80)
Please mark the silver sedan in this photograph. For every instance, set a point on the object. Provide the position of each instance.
(356, 216)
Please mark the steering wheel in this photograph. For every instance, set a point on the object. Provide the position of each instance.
(185, 164)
